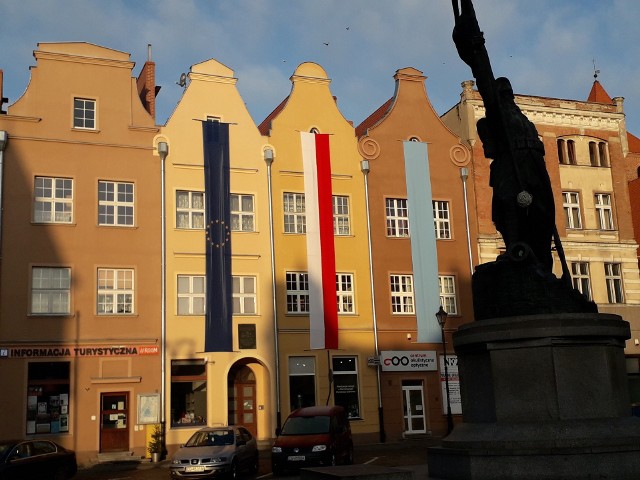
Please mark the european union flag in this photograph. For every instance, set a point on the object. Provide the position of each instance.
(219, 317)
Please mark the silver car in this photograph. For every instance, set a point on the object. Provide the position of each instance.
(213, 451)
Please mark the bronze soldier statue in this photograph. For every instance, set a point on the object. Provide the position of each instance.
(523, 208)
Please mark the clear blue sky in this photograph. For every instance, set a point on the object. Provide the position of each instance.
(546, 47)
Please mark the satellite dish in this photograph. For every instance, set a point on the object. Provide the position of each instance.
(183, 80)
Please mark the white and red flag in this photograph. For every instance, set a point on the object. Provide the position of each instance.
(321, 259)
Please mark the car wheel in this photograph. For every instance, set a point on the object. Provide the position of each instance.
(233, 473)
(255, 464)
(61, 473)
(349, 459)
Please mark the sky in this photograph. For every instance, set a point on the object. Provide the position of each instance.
(546, 47)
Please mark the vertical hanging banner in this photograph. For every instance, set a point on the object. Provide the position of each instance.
(218, 335)
(424, 254)
(321, 259)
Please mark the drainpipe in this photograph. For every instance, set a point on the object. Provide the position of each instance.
(464, 174)
(4, 138)
(364, 167)
(163, 151)
(268, 158)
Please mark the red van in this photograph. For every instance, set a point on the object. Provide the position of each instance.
(312, 437)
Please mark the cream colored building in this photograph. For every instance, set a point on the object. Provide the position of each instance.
(217, 388)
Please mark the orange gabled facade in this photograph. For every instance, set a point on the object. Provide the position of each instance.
(80, 297)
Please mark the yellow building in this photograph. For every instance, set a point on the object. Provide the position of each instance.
(80, 298)
(339, 376)
(216, 388)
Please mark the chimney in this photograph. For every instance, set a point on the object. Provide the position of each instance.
(146, 84)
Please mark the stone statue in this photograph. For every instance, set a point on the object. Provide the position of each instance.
(523, 208)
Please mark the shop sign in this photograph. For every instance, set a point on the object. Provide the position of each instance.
(373, 361)
(75, 351)
(454, 385)
(408, 361)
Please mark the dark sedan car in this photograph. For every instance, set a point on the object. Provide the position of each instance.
(36, 459)
(213, 451)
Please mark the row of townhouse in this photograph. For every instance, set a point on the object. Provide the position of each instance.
(103, 288)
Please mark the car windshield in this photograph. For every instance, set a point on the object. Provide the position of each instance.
(213, 438)
(306, 425)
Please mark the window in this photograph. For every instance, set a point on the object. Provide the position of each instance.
(189, 210)
(48, 408)
(344, 290)
(341, 224)
(50, 290)
(115, 203)
(572, 210)
(294, 213)
(571, 152)
(53, 200)
(115, 291)
(345, 384)
(297, 292)
(191, 295)
(84, 113)
(562, 154)
(302, 382)
(397, 217)
(604, 211)
(242, 213)
(441, 220)
(598, 155)
(401, 294)
(188, 393)
(447, 286)
(244, 295)
(613, 277)
(580, 278)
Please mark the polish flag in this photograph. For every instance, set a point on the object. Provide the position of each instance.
(321, 258)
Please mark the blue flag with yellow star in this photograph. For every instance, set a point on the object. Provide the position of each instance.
(218, 336)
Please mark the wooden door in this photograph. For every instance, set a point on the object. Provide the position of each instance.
(114, 422)
(246, 406)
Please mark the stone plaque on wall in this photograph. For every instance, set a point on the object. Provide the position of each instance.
(246, 336)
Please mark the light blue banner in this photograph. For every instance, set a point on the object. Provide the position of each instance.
(423, 241)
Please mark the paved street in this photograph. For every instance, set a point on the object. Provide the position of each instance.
(410, 453)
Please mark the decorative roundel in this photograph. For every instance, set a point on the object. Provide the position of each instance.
(218, 233)
(459, 155)
(368, 148)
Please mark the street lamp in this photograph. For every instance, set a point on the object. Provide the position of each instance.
(441, 315)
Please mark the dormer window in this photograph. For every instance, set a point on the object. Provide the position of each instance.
(84, 113)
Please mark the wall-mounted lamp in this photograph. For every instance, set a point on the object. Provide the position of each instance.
(364, 166)
(163, 150)
(268, 156)
(408, 336)
(636, 342)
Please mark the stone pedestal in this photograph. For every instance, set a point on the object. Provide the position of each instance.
(543, 396)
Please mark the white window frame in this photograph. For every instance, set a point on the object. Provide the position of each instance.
(580, 278)
(191, 295)
(119, 201)
(448, 298)
(613, 278)
(571, 206)
(53, 200)
(441, 220)
(294, 210)
(240, 215)
(193, 213)
(297, 285)
(604, 211)
(402, 294)
(345, 292)
(243, 296)
(115, 291)
(341, 220)
(397, 215)
(84, 113)
(50, 290)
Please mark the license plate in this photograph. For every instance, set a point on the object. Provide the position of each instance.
(296, 458)
(194, 469)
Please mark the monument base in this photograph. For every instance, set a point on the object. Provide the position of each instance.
(543, 396)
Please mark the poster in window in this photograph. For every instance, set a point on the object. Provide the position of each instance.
(64, 399)
(31, 427)
(64, 423)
